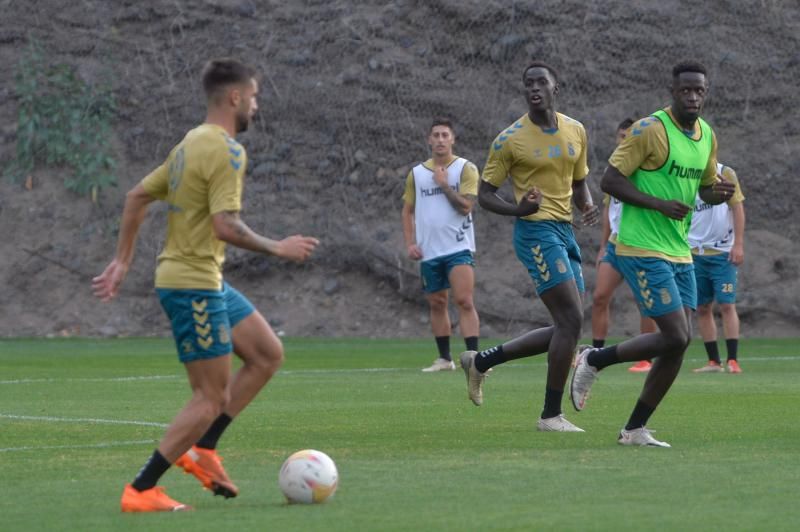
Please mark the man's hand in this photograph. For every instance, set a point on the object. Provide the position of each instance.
(723, 189)
(106, 285)
(591, 215)
(296, 248)
(674, 209)
(440, 176)
(414, 252)
(736, 256)
(529, 203)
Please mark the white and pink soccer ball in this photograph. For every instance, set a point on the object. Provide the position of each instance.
(308, 476)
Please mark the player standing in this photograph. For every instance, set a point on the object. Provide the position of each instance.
(656, 172)
(437, 226)
(544, 152)
(201, 181)
(717, 240)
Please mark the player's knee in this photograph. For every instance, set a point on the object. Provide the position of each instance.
(438, 303)
(601, 298)
(676, 343)
(271, 357)
(703, 311)
(727, 309)
(465, 303)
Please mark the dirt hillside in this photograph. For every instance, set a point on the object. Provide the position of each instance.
(348, 89)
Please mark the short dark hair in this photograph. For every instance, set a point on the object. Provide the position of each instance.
(625, 124)
(540, 64)
(688, 66)
(441, 121)
(224, 71)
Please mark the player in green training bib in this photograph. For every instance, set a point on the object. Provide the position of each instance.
(657, 171)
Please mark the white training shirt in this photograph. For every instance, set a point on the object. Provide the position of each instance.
(441, 230)
(712, 225)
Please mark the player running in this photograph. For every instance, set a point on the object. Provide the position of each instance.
(656, 172)
(201, 181)
(544, 152)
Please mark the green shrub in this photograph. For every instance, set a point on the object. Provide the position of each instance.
(62, 120)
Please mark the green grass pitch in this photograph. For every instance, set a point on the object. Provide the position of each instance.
(78, 417)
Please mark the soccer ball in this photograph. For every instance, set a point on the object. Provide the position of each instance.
(308, 477)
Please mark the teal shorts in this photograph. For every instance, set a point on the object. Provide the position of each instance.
(610, 255)
(435, 273)
(716, 278)
(202, 320)
(659, 286)
(549, 252)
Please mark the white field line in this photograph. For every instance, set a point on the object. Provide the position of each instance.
(53, 419)
(86, 446)
(142, 378)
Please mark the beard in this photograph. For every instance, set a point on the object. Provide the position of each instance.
(242, 122)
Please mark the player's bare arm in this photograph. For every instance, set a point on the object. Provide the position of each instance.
(462, 203)
(409, 232)
(737, 251)
(619, 186)
(106, 285)
(230, 228)
(489, 200)
(583, 200)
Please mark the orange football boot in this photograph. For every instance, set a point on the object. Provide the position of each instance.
(206, 465)
(152, 500)
(733, 367)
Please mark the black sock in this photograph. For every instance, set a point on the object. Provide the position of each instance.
(598, 342)
(471, 343)
(443, 345)
(603, 357)
(732, 344)
(552, 403)
(489, 358)
(148, 476)
(210, 438)
(641, 413)
(712, 351)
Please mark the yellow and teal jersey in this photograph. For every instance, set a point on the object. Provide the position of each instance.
(202, 176)
(549, 159)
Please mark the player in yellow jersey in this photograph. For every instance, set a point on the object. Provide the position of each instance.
(657, 171)
(201, 181)
(544, 153)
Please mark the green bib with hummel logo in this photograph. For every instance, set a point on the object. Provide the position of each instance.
(677, 179)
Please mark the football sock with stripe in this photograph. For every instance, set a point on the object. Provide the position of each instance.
(489, 358)
(148, 475)
(603, 357)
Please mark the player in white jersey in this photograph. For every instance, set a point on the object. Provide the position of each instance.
(717, 239)
(608, 275)
(437, 226)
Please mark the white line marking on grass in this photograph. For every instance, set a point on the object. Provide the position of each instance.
(83, 420)
(746, 360)
(96, 379)
(87, 446)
